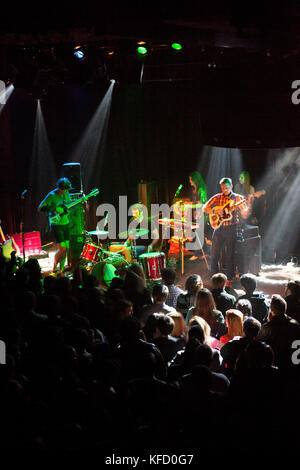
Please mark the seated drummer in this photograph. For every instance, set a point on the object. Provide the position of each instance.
(139, 221)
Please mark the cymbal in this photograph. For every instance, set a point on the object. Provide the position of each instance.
(135, 232)
(98, 232)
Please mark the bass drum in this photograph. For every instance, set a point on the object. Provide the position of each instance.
(105, 271)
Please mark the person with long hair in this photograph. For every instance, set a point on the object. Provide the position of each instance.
(205, 307)
(199, 191)
(244, 187)
(234, 321)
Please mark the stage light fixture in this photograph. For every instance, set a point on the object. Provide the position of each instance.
(79, 53)
(176, 46)
(142, 50)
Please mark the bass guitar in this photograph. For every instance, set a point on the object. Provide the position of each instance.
(216, 220)
(56, 217)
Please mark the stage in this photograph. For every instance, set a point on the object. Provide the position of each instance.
(272, 278)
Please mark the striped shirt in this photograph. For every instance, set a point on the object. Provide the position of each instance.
(220, 200)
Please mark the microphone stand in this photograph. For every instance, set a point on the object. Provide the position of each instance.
(22, 223)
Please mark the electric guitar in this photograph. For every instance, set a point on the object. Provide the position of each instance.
(8, 246)
(57, 217)
(216, 220)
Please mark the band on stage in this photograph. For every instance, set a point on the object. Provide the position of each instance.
(222, 213)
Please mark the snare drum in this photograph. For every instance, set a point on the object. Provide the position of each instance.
(91, 252)
(152, 264)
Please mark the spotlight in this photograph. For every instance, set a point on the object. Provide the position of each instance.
(142, 50)
(79, 53)
(176, 46)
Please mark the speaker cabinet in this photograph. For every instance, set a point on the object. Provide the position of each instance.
(248, 255)
(148, 193)
(72, 171)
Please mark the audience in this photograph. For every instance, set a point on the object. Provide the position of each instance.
(82, 372)
(292, 298)
(185, 301)
(205, 307)
(160, 294)
(169, 276)
(234, 323)
(223, 300)
(260, 307)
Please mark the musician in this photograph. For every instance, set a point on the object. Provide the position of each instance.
(257, 206)
(226, 233)
(198, 186)
(244, 187)
(144, 245)
(54, 203)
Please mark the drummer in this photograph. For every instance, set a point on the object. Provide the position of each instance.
(141, 245)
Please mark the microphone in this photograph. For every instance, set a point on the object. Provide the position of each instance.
(24, 193)
(178, 190)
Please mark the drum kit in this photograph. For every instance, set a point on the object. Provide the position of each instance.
(111, 261)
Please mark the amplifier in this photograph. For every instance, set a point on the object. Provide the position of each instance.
(247, 231)
(32, 243)
(248, 255)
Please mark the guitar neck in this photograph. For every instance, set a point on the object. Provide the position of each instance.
(2, 234)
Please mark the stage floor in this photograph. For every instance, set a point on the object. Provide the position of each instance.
(272, 278)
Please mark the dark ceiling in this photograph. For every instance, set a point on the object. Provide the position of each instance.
(240, 57)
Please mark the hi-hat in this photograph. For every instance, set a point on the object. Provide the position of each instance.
(98, 232)
(135, 232)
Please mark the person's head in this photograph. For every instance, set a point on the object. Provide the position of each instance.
(168, 276)
(193, 283)
(124, 308)
(256, 355)
(248, 282)
(234, 322)
(203, 355)
(160, 293)
(226, 186)
(138, 270)
(244, 306)
(244, 178)
(199, 321)
(164, 324)
(196, 179)
(277, 306)
(130, 330)
(179, 323)
(195, 332)
(219, 281)
(64, 185)
(205, 304)
(293, 288)
(137, 210)
(251, 327)
(29, 301)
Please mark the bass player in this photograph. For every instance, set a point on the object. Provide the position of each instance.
(224, 208)
(54, 205)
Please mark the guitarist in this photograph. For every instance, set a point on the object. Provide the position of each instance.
(225, 235)
(54, 204)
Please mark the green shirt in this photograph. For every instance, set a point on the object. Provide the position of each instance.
(51, 201)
